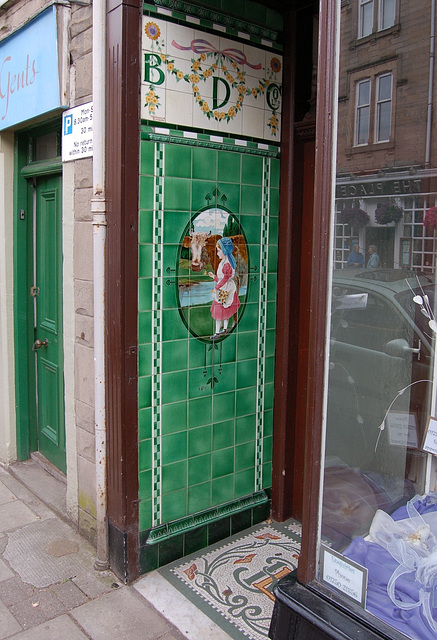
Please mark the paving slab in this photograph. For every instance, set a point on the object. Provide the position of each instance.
(30, 553)
(8, 624)
(5, 571)
(56, 629)
(15, 514)
(124, 615)
(5, 495)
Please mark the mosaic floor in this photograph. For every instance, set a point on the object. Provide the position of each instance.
(232, 582)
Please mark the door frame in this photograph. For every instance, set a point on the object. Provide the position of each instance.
(25, 167)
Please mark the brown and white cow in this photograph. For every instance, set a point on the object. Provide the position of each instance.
(204, 252)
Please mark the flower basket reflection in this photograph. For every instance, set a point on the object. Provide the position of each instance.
(354, 216)
(430, 219)
(387, 212)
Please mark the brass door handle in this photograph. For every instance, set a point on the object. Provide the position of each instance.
(40, 343)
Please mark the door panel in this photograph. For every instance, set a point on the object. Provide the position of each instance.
(48, 318)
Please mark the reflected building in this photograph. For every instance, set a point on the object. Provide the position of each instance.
(386, 160)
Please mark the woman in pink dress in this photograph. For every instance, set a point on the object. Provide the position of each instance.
(225, 293)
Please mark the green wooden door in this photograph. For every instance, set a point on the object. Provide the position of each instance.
(47, 309)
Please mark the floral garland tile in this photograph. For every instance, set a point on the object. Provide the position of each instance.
(207, 81)
(236, 580)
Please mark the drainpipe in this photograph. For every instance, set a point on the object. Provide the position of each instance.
(98, 209)
(430, 87)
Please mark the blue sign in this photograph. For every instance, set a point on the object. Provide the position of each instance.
(29, 75)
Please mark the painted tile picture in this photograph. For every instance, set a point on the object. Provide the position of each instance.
(212, 274)
(207, 81)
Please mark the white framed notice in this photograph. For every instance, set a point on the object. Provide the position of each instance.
(343, 574)
(402, 429)
(77, 132)
(430, 437)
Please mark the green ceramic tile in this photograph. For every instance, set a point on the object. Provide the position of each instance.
(145, 260)
(251, 200)
(267, 475)
(147, 157)
(272, 259)
(245, 429)
(145, 424)
(247, 345)
(172, 326)
(246, 401)
(199, 411)
(268, 423)
(170, 294)
(199, 469)
(145, 515)
(267, 448)
(222, 489)
(145, 360)
(251, 172)
(246, 373)
(223, 407)
(274, 20)
(222, 462)
(249, 321)
(144, 392)
(145, 455)
(273, 231)
(178, 161)
(200, 189)
(144, 327)
(170, 256)
(196, 353)
(174, 476)
(271, 315)
(198, 383)
(174, 505)
(229, 348)
(174, 417)
(174, 386)
(225, 376)
(174, 447)
(272, 281)
(270, 342)
(177, 194)
(223, 435)
(232, 193)
(229, 166)
(175, 355)
(274, 202)
(244, 456)
(268, 395)
(204, 164)
(144, 294)
(275, 168)
(269, 369)
(146, 192)
(145, 233)
(174, 224)
(199, 497)
(199, 441)
(145, 485)
(252, 228)
(255, 12)
(245, 482)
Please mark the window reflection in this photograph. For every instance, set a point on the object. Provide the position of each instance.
(383, 326)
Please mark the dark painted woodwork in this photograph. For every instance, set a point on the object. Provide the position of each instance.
(122, 158)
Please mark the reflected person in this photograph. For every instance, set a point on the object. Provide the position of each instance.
(373, 261)
(356, 258)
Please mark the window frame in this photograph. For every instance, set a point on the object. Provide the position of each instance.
(361, 8)
(378, 103)
(359, 108)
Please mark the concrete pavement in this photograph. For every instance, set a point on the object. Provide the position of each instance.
(49, 589)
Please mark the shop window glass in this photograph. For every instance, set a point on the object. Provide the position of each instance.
(379, 504)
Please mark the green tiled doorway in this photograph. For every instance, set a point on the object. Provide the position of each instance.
(205, 406)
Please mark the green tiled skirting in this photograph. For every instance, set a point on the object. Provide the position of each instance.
(156, 552)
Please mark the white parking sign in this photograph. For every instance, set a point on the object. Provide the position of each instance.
(77, 132)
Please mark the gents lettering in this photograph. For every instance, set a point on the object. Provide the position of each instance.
(11, 82)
